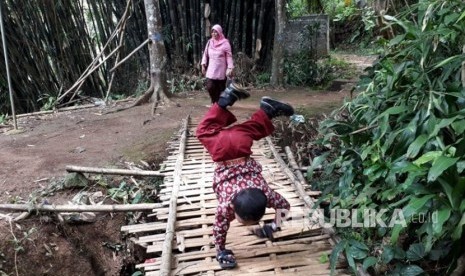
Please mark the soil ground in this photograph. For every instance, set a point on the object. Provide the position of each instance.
(34, 160)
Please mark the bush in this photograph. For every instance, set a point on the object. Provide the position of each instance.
(400, 146)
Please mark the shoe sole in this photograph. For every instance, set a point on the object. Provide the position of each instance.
(268, 101)
(239, 92)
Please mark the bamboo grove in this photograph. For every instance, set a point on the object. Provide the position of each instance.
(63, 52)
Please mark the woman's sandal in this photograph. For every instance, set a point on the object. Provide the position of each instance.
(226, 259)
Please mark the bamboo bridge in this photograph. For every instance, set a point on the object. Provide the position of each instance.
(180, 239)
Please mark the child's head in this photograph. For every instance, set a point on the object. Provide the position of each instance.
(249, 205)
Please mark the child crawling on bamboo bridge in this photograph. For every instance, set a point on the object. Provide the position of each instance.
(240, 188)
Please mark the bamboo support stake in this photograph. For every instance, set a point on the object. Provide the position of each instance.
(80, 208)
(113, 171)
(88, 74)
(122, 33)
(301, 191)
(297, 184)
(166, 256)
(130, 54)
(293, 163)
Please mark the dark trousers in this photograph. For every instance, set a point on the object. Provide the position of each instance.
(214, 88)
(226, 143)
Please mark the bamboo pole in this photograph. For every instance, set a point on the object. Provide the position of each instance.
(5, 54)
(83, 78)
(71, 168)
(297, 184)
(80, 208)
(293, 163)
(310, 202)
(130, 54)
(166, 256)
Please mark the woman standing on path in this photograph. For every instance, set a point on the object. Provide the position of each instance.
(217, 63)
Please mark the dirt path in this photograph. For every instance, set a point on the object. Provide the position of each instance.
(38, 156)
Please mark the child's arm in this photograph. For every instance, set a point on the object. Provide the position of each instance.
(282, 206)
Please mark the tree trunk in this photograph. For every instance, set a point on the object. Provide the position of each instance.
(277, 73)
(158, 58)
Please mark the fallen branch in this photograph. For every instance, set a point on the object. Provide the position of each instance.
(80, 208)
(113, 171)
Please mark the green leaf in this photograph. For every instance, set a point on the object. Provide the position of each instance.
(443, 216)
(392, 18)
(440, 164)
(137, 197)
(395, 233)
(316, 162)
(323, 258)
(335, 254)
(427, 157)
(458, 127)
(441, 124)
(411, 270)
(396, 40)
(392, 111)
(357, 253)
(369, 262)
(460, 18)
(387, 255)
(447, 60)
(416, 146)
(448, 190)
(416, 252)
(457, 234)
(415, 205)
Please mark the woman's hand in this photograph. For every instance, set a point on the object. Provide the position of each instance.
(204, 68)
(229, 72)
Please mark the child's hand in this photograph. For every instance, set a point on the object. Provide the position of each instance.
(266, 231)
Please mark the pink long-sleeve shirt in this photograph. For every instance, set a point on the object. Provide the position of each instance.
(219, 58)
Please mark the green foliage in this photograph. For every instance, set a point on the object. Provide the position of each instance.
(366, 32)
(337, 10)
(142, 86)
(18, 243)
(400, 144)
(48, 102)
(134, 194)
(296, 8)
(303, 68)
(263, 79)
(184, 83)
(3, 118)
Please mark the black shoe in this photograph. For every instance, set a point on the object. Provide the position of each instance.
(231, 94)
(274, 108)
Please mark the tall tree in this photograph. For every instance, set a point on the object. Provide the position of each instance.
(158, 58)
(277, 73)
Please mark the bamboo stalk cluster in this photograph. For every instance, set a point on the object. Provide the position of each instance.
(63, 52)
